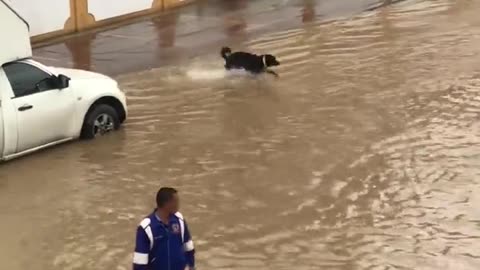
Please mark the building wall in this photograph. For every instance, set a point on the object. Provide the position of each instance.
(41, 16)
(48, 18)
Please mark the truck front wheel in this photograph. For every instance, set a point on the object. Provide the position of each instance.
(100, 120)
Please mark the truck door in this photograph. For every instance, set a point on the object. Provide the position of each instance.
(44, 114)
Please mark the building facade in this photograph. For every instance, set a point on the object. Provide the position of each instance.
(49, 18)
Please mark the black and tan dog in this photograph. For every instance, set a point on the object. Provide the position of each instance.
(253, 63)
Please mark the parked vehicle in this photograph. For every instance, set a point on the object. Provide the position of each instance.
(42, 106)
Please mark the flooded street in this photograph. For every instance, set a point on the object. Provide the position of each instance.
(364, 154)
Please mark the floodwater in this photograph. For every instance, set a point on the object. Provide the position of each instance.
(364, 154)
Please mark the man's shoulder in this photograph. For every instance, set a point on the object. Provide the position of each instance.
(147, 221)
(179, 216)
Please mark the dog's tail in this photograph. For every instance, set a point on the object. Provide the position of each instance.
(226, 51)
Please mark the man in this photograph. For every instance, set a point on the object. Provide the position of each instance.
(163, 239)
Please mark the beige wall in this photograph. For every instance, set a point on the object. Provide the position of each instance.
(41, 16)
(49, 18)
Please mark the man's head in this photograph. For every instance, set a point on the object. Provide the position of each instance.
(167, 200)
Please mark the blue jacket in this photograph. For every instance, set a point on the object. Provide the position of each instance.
(163, 247)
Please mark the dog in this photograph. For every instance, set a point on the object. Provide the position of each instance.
(252, 63)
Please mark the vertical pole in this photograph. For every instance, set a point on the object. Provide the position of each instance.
(83, 19)
(158, 4)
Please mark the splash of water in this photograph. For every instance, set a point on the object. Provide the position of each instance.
(213, 74)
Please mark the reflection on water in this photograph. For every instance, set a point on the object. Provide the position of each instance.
(363, 155)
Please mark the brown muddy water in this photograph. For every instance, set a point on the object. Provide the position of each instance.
(364, 154)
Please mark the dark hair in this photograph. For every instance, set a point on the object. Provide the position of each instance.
(164, 195)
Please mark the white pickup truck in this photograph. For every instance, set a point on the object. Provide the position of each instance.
(42, 106)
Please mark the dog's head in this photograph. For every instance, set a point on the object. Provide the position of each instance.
(270, 60)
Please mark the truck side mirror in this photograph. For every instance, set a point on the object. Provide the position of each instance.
(63, 81)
